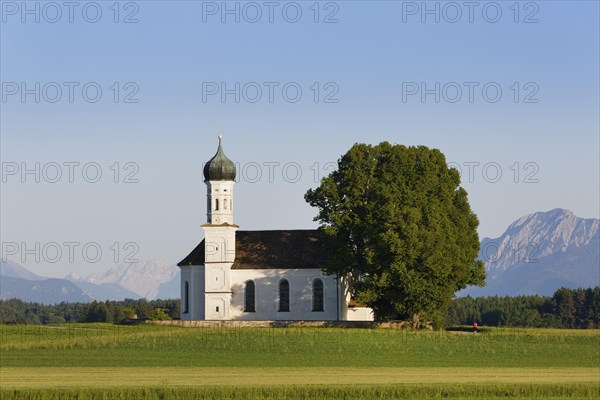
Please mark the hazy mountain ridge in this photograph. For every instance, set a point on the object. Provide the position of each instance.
(46, 291)
(14, 270)
(134, 281)
(141, 278)
(540, 253)
(106, 291)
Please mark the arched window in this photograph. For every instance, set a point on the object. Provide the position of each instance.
(230, 205)
(250, 297)
(216, 204)
(317, 295)
(284, 295)
(224, 204)
(186, 297)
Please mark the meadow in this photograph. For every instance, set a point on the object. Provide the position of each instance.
(104, 361)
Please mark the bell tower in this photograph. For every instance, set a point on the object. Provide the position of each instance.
(219, 234)
(219, 176)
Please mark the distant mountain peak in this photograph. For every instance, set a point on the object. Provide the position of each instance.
(554, 214)
(559, 227)
(541, 252)
(73, 276)
(12, 269)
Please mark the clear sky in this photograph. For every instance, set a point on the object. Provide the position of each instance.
(508, 88)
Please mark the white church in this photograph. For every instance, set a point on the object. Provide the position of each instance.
(256, 275)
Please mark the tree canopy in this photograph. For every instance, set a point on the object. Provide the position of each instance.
(401, 229)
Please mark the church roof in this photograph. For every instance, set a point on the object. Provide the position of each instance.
(282, 249)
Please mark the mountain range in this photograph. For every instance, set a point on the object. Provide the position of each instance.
(144, 279)
(537, 254)
(150, 280)
(540, 253)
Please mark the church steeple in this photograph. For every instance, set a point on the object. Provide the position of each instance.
(219, 176)
(219, 168)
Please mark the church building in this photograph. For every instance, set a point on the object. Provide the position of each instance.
(256, 275)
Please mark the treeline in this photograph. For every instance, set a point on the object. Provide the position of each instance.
(16, 311)
(567, 308)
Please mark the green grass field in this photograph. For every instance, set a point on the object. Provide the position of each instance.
(102, 361)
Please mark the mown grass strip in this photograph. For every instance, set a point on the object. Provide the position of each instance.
(344, 392)
(195, 376)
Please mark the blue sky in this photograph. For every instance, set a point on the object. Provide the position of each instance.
(541, 133)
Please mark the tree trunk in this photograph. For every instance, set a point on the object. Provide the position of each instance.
(416, 321)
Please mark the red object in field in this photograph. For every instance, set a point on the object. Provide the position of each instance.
(474, 326)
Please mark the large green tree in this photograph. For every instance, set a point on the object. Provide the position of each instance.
(401, 228)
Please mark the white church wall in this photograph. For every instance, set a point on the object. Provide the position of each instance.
(217, 306)
(267, 294)
(353, 313)
(359, 314)
(194, 276)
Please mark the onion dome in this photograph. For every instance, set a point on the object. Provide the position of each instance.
(219, 168)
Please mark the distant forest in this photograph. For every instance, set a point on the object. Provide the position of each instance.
(567, 308)
(16, 311)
